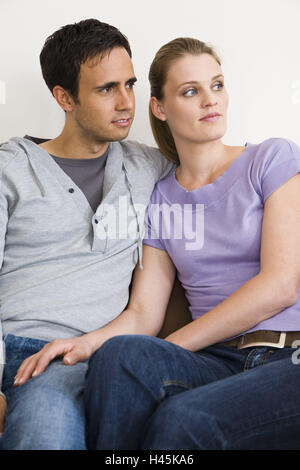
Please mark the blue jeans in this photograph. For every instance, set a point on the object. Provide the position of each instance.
(45, 413)
(145, 393)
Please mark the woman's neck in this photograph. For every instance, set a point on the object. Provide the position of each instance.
(202, 164)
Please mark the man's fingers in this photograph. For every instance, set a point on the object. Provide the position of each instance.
(26, 369)
(72, 350)
(54, 350)
(76, 354)
(37, 363)
(70, 359)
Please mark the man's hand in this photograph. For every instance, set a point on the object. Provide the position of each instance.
(72, 350)
(3, 408)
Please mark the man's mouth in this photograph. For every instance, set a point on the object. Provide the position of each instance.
(124, 122)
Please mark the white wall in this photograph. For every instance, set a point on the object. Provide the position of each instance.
(258, 42)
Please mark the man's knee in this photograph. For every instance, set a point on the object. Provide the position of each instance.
(47, 411)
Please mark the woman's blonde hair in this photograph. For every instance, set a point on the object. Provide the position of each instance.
(173, 50)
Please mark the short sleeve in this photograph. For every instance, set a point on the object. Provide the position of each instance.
(152, 236)
(278, 161)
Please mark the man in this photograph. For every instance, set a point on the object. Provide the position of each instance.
(72, 212)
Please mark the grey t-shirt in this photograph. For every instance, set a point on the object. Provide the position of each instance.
(87, 174)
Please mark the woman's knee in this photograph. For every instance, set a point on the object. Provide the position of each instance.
(175, 426)
(123, 348)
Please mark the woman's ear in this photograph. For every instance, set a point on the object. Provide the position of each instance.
(157, 109)
(63, 98)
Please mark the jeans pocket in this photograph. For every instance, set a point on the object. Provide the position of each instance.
(19, 347)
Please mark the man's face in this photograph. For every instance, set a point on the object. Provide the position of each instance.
(105, 106)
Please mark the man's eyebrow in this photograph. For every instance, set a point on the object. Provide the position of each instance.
(191, 82)
(113, 84)
(132, 80)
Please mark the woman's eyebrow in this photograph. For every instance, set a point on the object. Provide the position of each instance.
(194, 82)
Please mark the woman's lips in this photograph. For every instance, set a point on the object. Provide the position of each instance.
(211, 117)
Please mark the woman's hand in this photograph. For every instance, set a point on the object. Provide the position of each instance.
(3, 408)
(72, 350)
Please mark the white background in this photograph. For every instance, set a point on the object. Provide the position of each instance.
(258, 42)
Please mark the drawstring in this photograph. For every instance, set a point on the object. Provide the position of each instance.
(34, 171)
(140, 239)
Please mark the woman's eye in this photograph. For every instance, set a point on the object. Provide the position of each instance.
(190, 92)
(218, 86)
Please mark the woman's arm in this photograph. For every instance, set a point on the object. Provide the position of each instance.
(151, 290)
(274, 288)
(145, 314)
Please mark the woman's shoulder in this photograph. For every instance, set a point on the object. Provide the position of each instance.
(274, 161)
(273, 151)
(273, 145)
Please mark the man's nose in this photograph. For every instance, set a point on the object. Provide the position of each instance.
(125, 100)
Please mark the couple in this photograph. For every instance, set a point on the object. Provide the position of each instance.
(84, 369)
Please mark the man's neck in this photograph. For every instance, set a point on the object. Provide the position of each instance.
(75, 147)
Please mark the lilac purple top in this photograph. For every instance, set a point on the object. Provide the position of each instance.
(213, 233)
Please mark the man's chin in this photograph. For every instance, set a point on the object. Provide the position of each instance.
(111, 136)
(120, 136)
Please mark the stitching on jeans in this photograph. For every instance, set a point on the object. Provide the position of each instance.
(167, 383)
(249, 359)
(176, 382)
(268, 353)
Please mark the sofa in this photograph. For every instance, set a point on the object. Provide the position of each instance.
(177, 314)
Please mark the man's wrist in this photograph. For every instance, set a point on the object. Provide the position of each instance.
(95, 339)
(2, 395)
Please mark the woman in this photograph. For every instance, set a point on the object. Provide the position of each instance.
(227, 380)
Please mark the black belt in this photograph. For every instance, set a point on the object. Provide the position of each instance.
(275, 339)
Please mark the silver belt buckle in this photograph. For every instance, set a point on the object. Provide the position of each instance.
(280, 344)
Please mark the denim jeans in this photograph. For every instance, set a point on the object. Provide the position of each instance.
(45, 413)
(145, 393)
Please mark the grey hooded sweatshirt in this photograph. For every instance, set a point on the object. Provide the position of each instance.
(66, 270)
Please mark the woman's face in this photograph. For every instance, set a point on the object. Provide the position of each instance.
(194, 89)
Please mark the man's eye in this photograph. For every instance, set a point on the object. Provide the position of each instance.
(106, 90)
(130, 84)
(190, 92)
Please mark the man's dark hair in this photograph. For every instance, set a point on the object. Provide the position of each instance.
(72, 45)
